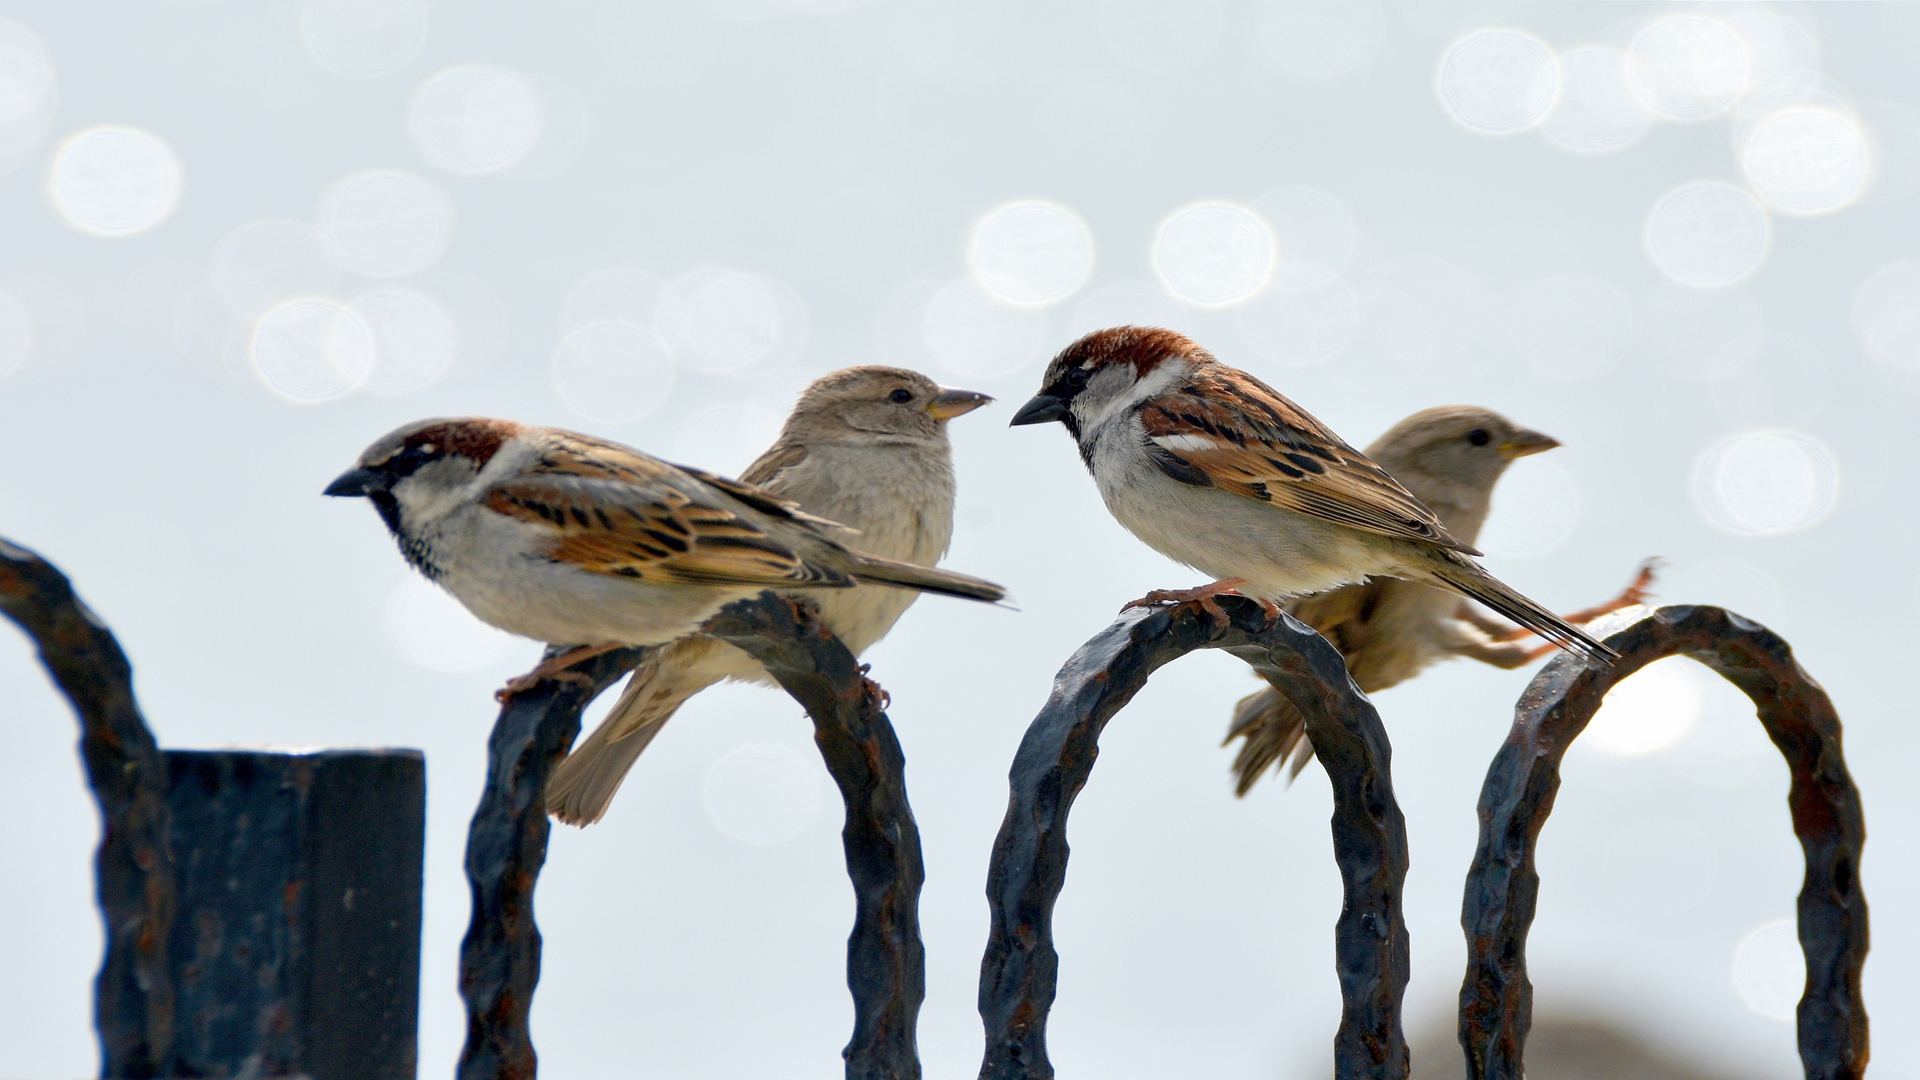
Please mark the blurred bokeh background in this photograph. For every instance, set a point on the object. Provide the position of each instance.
(241, 238)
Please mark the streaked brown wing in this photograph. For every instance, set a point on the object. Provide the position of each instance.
(1240, 435)
(779, 457)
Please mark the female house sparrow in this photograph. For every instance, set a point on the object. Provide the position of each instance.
(1213, 468)
(573, 540)
(865, 446)
(1389, 629)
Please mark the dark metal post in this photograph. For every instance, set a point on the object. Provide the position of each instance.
(886, 966)
(1496, 1000)
(133, 995)
(1018, 974)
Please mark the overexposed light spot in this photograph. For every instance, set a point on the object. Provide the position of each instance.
(1031, 253)
(363, 39)
(474, 119)
(1806, 161)
(267, 262)
(1434, 320)
(617, 294)
(413, 337)
(1698, 335)
(762, 793)
(1320, 39)
(1213, 254)
(1156, 37)
(312, 349)
(430, 629)
(1649, 710)
(114, 181)
(1769, 969)
(970, 332)
(384, 223)
(612, 371)
(1572, 327)
(28, 94)
(1783, 60)
(1498, 82)
(725, 322)
(1314, 232)
(1687, 67)
(727, 437)
(1787, 381)
(1597, 110)
(16, 335)
(1536, 509)
(1301, 327)
(1708, 234)
(1886, 316)
(1763, 483)
(1128, 303)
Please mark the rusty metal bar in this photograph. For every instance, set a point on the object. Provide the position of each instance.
(134, 993)
(1496, 1000)
(1019, 972)
(886, 966)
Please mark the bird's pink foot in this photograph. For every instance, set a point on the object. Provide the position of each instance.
(1203, 596)
(554, 668)
(876, 694)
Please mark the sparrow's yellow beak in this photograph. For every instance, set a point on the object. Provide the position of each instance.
(952, 403)
(1523, 442)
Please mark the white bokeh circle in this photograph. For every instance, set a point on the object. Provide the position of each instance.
(1648, 711)
(762, 793)
(312, 349)
(1806, 160)
(474, 119)
(1769, 970)
(1708, 234)
(430, 629)
(1764, 483)
(363, 39)
(612, 371)
(1886, 316)
(1213, 254)
(1687, 67)
(414, 340)
(384, 223)
(114, 181)
(1031, 253)
(1498, 82)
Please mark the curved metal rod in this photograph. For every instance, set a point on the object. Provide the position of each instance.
(133, 995)
(1496, 1000)
(1020, 969)
(886, 964)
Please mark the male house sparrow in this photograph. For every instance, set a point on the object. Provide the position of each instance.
(1389, 629)
(573, 540)
(865, 446)
(1214, 469)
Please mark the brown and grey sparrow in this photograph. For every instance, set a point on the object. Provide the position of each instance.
(576, 541)
(1390, 629)
(864, 446)
(1216, 470)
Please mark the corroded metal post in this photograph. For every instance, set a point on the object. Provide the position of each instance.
(886, 966)
(1496, 1000)
(134, 994)
(1018, 974)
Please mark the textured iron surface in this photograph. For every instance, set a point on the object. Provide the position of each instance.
(1496, 1000)
(886, 967)
(134, 994)
(1019, 971)
(297, 946)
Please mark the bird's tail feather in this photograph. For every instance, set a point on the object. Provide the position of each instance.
(905, 575)
(1470, 579)
(1273, 730)
(584, 783)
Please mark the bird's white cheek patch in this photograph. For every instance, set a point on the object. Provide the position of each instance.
(1186, 442)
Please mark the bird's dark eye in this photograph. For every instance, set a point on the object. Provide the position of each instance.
(900, 397)
(1479, 437)
(1076, 379)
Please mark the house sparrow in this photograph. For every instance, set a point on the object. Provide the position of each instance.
(865, 446)
(577, 541)
(1214, 469)
(1390, 629)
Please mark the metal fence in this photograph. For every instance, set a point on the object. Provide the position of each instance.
(167, 1007)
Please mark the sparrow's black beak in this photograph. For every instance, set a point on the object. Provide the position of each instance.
(1044, 408)
(357, 482)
